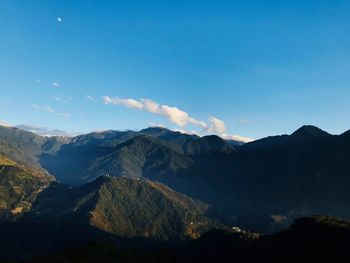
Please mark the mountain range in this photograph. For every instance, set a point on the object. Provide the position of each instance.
(164, 185)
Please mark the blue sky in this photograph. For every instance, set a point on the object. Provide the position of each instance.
(249, 68)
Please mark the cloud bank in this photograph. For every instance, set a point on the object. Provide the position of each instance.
(237, 138)
(174, 115)
(5, 124)
(44, 131)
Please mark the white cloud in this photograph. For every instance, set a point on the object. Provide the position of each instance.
(216, 125)
(64, 114)
(44, 131)
(156, 125)
(173, 114)
(90, 97)
(236, 138)
(5, 124)
(176, 116)
(150, 105)
(192, 132)
(55, 84)
(43, 108)
(130, 103)
(37, 81)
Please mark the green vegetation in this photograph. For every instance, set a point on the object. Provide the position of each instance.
(19, 187)
(25, 147)
(324, 220)
(129, 208)
(138, 207)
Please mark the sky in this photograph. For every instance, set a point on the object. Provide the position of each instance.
(239, 69)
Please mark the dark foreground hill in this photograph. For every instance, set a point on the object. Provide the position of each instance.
(125, 210)
(310, 239)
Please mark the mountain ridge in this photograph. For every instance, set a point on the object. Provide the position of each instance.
(258, 179)
(127, 207)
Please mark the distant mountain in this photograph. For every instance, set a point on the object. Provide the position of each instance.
(26, 147)
(43, 131)
(293, 175)
(235, 143)
(178, 138)
(305, 134)
(104, 138)
(208, 145)
(154, 153)
(142, 156)
(19, 145)
(274, 179)
(309, 131)
(193, 144)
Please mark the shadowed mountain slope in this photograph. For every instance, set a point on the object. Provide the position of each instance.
(290, 176)
(141, 156)
(26, 147)
(208, 145)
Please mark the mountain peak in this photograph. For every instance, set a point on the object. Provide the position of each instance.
(309, 131)
(213, 138)
(155, 131)
(132, 207)
(209, 145)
